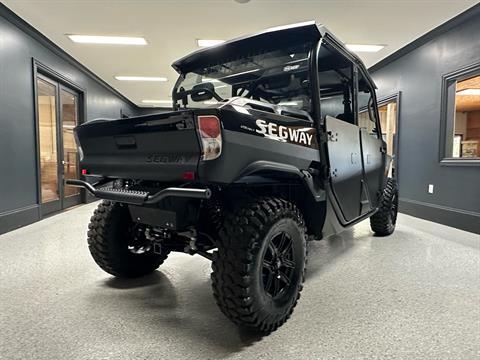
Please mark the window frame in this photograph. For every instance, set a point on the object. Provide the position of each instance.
(375, 100)
(447, 116)
(315, 74)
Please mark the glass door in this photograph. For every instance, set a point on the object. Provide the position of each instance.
(68, 121)
(57, 109)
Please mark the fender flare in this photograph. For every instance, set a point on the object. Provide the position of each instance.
(269, 168)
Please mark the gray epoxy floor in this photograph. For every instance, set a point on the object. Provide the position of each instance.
(413, 295)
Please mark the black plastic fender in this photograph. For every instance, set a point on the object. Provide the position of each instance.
(271, 168)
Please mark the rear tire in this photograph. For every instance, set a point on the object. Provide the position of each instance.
(109, 237)
(259, 267)
(384, 220)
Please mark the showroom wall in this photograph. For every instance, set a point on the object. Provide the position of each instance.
(19, 45)
(416, 72)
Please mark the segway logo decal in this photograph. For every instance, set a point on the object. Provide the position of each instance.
(294, 135)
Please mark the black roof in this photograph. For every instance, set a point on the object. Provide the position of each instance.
(284, 36)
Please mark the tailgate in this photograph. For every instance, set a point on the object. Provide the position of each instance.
(153, 147)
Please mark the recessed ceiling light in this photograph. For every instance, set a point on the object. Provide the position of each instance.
(157, 101)
(364, 48)
(473, 92)
(111, 40)
(207, 43)
(141, 78)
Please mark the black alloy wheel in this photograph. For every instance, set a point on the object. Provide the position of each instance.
(278, 265)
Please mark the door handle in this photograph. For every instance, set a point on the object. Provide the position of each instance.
(65, 162)
(354, 158)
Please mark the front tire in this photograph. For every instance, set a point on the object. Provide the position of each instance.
(259, 268)
(384, 220)
(116, 247)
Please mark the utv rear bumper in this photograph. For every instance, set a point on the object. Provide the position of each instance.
(139, 197)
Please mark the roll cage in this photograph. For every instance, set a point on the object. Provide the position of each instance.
(317, 35)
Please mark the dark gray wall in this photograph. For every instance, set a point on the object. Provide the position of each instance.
(417, 74)
(18, 178)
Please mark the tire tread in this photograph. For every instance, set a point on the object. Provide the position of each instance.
(233, 261)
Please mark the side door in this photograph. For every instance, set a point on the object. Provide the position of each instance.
(337, 105)
(373, 146)
(346, 173)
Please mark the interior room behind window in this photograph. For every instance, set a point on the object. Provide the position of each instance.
(466, 136)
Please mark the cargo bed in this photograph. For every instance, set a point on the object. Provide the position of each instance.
(159, 147)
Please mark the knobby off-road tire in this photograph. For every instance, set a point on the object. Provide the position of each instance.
(384, 220)
(109, 236)
(250, 267)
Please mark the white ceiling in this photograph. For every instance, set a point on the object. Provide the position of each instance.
(172, 27)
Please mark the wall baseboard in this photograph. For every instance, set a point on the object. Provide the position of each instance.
(14, 219)
(460, 219)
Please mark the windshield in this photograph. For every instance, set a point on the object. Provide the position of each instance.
(278, 76)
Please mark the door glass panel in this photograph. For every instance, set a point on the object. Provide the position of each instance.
(68, 103)
(48, 140)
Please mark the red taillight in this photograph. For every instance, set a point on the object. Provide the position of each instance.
(210, 136)
(188, 175)
(209, 126)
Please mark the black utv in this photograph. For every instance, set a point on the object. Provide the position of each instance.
(274, 139)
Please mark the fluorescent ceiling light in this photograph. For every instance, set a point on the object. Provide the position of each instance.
(287, 103)
(206, 43)
(364, 48)
(157, 101)
(112, 40)
(141, 78)
(469, 92)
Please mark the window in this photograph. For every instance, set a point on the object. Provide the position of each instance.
(336, 85)
(279, 76)
(466, 143)
(461, 116)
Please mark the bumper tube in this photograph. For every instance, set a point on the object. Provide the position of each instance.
(139, 197)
